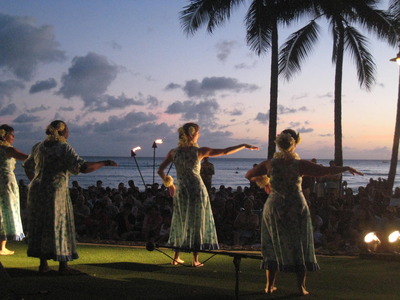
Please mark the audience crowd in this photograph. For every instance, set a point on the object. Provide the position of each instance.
(340, 216)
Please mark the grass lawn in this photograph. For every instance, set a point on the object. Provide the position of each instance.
(115, 272)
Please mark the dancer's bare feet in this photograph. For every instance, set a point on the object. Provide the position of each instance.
(44, 269)
(197, 264)
(301, 281)
(270, 290)
(5, 251)
(304, 292)
(177, 261)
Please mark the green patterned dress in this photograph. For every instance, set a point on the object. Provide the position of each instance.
(51, 230)
(192, 224)
(287, 232)
(10, 217)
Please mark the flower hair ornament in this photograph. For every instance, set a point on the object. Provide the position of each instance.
(3, 134)
(184, 140)
(286, 144)
(54, 133)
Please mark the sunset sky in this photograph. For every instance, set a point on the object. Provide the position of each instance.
(123, 73)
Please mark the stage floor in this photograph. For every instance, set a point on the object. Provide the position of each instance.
(120, 272)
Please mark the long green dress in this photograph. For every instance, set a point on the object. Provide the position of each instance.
(286, 231)
(192, 224)
(10, 217)
(51, 230)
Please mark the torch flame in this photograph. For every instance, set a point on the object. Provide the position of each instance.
(158, 141)
(135, 149)
(394, 236)
(371, 237)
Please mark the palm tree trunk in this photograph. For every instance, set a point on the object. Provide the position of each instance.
(273, 104)
(395, 149)
(338, 101)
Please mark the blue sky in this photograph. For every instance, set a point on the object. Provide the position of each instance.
(123, 74)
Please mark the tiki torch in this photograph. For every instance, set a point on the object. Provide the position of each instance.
(133, 154)
(158, 141)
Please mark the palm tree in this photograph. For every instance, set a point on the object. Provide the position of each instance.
(395, 11)
(262, 20)
(342, 16)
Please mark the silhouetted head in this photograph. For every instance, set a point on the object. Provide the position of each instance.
(4, 131)
(57, 131)
(187, 133)
(287, 140)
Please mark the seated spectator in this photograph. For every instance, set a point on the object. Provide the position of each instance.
(165, 226)
(332, 237)
(317, 223)
(348, 199)
(99, 189)
(122, 189)
(228, 215)
(362, 222)
(74, 191)
(148, 198)
(152, 223)
(246, 225)
(81, 212)
(97, 223)
(219, 200)
(154, 188)
(123, 226)
(132, 189)
(118, 200)
(139, 222)
(91, 198)
(163, 202)
(110, 209)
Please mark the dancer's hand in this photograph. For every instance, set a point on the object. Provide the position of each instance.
(251, 147)
(172, 189)
(267, 189)
(354, 171)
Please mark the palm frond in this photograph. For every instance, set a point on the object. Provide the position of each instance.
(296, 49)
(263, 16)
(288, 11)
(259, 27)
(377, 22)
(356, 44)
(210, 12)
(394, 9)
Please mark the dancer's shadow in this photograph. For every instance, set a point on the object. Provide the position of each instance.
(129, 266)
(14, 272)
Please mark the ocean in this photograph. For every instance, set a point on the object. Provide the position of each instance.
(228, 171)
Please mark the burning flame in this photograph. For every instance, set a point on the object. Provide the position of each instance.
(370, 237)
(135, 149)
(158, 141)
(394, 236)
